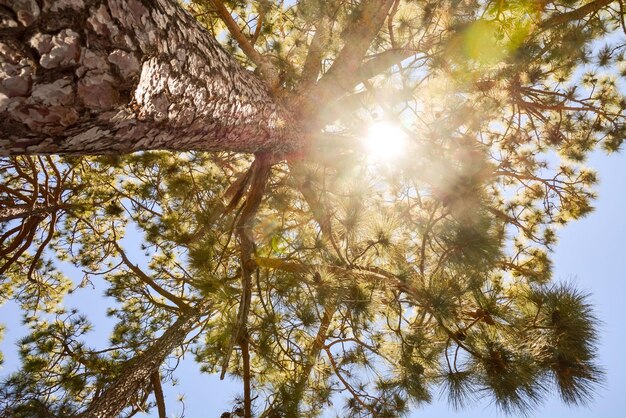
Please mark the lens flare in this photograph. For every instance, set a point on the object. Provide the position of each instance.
(385, 141)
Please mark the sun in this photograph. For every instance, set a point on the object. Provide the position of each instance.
(385, 141)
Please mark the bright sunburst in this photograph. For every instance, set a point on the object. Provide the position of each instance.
(385, 140)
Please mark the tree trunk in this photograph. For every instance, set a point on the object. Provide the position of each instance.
(138, 370)
(117, 76)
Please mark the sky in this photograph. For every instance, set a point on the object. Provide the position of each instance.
(591, 253)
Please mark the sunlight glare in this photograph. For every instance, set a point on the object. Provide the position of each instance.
(384, 140)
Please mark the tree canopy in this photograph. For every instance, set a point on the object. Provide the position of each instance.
(276, 245)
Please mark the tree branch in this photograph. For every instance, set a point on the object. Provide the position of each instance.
(137, 371)
(383, 62)
(319, 212)
(148, 281)
(313, 62)
(247, 379)
(10, 212)
(268, 71)
(372, 274)
(260, 172)
(358, 37)
(262, 5)
(346, 384)
(576, 14)
(155, 379)
(315, 350)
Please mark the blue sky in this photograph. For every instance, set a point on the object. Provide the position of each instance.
(591, 253)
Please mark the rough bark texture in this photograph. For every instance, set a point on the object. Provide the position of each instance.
(137, 373)
(22, 211)
(116, 76)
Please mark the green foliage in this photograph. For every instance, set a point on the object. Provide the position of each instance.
(377, 283)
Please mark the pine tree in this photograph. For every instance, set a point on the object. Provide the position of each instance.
(275, 248)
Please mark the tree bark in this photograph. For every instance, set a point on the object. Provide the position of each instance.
(22, 211)
(138, 370)
(576, 14)
(117, 76)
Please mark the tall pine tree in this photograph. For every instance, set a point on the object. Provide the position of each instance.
(288, 255)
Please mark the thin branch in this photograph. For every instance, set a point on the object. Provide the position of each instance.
(315, 349)
(247, 395)
(155, 379)
(261, 168)
(383, 62)
(319, 212)
(346, 384)
(141, 275)
(42, 246)
(259, 23)
(267, 70)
